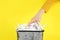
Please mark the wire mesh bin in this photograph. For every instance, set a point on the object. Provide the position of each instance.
(29, 35)
(35, 32)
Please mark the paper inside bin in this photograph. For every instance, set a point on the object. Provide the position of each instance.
(32, 27)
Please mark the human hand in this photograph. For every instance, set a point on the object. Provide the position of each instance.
(37, 18)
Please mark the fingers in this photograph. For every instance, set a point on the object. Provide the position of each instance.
(34, 20)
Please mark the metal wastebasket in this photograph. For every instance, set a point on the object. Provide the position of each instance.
(30, 34)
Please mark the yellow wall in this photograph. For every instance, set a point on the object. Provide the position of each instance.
(13, 12)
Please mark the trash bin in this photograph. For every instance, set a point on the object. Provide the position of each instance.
(29, 34)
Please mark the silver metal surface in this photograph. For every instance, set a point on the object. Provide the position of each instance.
(30, 35)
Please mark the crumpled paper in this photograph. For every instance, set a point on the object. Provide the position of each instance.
(33, 26)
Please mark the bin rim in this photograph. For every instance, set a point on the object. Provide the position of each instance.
(30, 31)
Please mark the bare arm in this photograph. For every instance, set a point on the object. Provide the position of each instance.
(44, 9)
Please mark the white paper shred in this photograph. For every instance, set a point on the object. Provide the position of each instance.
(33, 26)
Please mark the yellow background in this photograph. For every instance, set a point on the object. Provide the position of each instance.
(13, 12)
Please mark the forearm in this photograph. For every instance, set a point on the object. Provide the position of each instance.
(40, 13)
(46, 7)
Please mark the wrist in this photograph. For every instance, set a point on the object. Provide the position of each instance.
(41, 12)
